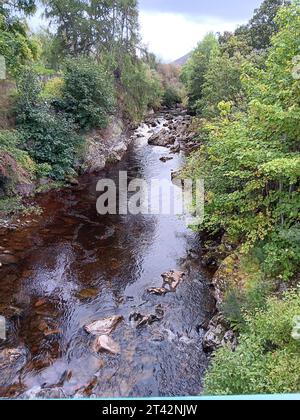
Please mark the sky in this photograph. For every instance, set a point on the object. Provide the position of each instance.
(172, 28)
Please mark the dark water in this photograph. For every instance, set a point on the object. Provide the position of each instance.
(74, 267)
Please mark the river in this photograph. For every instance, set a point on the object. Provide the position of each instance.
(73, 266)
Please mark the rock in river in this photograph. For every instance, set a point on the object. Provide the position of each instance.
(159, 291)
(141, 320)
(173, 278)
(11, 363)
(105, 343)
(105, 326)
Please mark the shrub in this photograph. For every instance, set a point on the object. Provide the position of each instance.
(87, 93)
(267, 359)
(48, 136)
(53, 89)
(171, 97)
(10, 142)
(141, 89)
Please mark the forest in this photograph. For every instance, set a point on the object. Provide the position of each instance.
(242, 90)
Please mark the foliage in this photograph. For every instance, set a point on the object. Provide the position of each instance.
(10, 142)
(53, 89)
(87, 93)
(171, 97)
(222, 82)
(250, 161)
(141, 88)
(267, 359)
(194, 71)
(263, 25)
(89, 28)
(49, 137)
(15, 44)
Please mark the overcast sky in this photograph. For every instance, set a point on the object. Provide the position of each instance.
(172, 28)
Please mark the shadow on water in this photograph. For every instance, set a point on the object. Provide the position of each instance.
(74, 267)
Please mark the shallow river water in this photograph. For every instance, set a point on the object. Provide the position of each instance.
(74, 266)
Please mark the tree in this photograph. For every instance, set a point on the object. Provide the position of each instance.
(251, 163)
(92, 27)
(263, 25)
(193, 73)
(15, 44)
(222, 82)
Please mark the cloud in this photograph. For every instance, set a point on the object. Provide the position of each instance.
(172, 35)
(230, 10)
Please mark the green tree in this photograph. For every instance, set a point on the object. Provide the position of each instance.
(251, 160)
(87, 93)
(15, 44)
(222, 82)
(49, 137)
(193, 73)
(259, 31)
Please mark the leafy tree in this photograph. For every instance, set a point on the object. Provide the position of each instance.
(193, 73)
(87, 93)
(15, 45)
(92, 27)
(140, 88)
(263, 25)
(222, 82)
(251, 159)
(48, 137)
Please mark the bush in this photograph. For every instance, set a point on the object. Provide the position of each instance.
(171, 97)
(141, 89)
(10, 142)
(48, 136)
(53, 89)
(267, 359)
(87, 93)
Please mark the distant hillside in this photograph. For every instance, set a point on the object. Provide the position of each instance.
(183, 60)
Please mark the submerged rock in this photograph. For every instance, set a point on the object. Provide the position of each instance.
(104, 343)
(87, 294)
(142, 320)
(12, 362)
(105, 326)
(173, 278)
(159, 291)
(166, 158)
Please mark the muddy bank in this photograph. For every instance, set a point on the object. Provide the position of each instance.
(75, 272)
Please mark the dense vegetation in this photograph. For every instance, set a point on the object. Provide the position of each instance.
(245, 91)
(71, 77)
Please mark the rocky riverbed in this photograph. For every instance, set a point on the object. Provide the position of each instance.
(107, 306)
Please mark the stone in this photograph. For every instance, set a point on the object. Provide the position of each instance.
(105, 326)
(12, 361)
(87, 294)
(103, 343)
(6, 259)
(159, 291)
(173, 278)
(166, 158)
(142, 320)
(219, 335)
